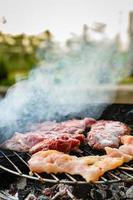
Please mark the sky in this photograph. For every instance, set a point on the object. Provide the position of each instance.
(63, 17)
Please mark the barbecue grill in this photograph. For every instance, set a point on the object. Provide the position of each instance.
(16, 163)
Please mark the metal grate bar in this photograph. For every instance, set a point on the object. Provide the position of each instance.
(10, 171)
(104, 179)
(114, 176)
(71, 195)
(71, 178)
(126, 167)
(38, 176)
(54, 177)
(127, 174)
(5, 196)
(21, 158)
(56, 196)
(18, 170)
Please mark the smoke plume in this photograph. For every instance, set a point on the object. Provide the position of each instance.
(65, 84)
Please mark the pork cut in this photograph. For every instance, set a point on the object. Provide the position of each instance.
(106, 133)
(36, 141)
(63, 136)
(69, 126)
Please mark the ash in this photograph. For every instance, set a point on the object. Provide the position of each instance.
(24, 189)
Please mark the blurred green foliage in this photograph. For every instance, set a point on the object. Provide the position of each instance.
(128, 80)
(18, 55)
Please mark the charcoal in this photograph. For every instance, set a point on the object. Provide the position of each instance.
(35, 190)
(30, 197)
(118, 190)
(129, 192)
(23, 193)
(13, 189)
(97, 194)
(21, 184)
(48, 191)
(5, 180)
(109, 194)
(42, 197)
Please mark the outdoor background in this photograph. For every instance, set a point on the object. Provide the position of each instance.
(28, 28)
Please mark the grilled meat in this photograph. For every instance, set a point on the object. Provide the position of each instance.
(106, 133)
(125, 150)
(127, 139)
(114, 152)
(89, 167)
(36, 141)
(22, 142)
(63, 136)
(64, 143)
(52, 161)
(70, 126)
(101, 166)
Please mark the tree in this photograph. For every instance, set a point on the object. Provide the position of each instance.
(3, 71)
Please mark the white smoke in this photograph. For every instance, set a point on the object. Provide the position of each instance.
(67, 82)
